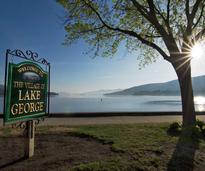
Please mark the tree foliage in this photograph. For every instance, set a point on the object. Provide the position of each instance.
(147, 26)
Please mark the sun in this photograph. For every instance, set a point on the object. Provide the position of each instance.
(197, 51)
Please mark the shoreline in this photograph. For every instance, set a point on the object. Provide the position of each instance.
(74, 121)
(110, 114)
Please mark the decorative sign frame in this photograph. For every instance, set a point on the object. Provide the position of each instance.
(27, 87)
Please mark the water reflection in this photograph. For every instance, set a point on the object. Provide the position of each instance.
(199, 103)
(119, 104)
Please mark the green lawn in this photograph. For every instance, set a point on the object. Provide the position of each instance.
(145, 147)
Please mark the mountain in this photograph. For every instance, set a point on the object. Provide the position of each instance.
(98, 93)
(167, 88)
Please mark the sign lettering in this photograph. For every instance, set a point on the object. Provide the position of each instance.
(26, 92)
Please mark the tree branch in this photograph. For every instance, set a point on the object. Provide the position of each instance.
(144, 41)
(200, 16)
(168, 11)
(130, 33)
(140, 8)
(190, 19)
(90, 30)
(191, 16)
(199, 35)
(195, 8)
(166, 20)
(151, 17)
(151, 7)
(187, 9)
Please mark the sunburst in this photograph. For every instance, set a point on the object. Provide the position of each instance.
(193, 51)
(197, 51)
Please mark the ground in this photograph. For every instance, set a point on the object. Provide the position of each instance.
(109, 147)
(53, 150)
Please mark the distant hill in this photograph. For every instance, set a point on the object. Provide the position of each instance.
(98, 93)
(167, 88)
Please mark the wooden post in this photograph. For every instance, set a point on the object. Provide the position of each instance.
(29, 139)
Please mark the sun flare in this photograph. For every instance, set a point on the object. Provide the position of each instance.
(199, 100)
(199, 103)
(197, 51)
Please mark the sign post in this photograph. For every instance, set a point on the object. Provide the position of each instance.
(27, 87)
(29, 139)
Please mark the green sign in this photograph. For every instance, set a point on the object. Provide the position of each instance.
(26, 95)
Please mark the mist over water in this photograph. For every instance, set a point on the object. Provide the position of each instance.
(113, 104)
(61, 104)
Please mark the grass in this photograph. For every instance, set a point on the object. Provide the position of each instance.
(131, 137)
(144, 147)
(137, 147)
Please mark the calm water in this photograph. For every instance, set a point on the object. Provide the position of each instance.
(118, 104)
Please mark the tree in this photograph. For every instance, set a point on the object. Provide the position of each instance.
(155, 28)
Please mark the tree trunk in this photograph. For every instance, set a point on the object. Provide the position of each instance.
(183, 70)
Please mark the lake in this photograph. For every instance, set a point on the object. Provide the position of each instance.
(61, 104)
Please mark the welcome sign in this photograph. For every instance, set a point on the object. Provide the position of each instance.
(26, 95)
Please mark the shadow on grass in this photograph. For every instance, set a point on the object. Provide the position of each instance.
(184, 153)
(12, 163)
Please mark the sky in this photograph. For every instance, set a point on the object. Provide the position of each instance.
(38, 26)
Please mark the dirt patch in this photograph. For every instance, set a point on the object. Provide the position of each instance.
(53, 151)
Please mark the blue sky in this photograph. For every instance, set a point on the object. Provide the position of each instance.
(37, 25)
